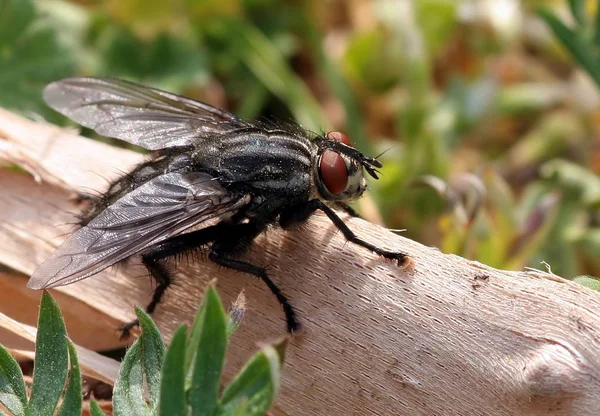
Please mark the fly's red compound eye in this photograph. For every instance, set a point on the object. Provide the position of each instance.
(333, 172)
(339, 136)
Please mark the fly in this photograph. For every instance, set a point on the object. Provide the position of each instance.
(227, 178)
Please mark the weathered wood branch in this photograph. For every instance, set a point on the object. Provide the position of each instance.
(442, 336)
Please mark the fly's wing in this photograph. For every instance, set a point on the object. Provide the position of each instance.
(162, 207)
(140, 115)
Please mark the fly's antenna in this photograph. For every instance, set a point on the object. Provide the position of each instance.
(385, 151)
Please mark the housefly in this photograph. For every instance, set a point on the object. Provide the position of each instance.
(214, 182)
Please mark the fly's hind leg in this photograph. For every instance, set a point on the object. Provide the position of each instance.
(160, 273)
(235, 242)
(154, 259)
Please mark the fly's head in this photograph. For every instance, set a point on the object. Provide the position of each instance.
(340, 168)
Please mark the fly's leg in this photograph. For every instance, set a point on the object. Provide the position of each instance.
(301, 213)
(154, 260)
(163, 277)
(235, 242)
(347, 209)
(222, 258)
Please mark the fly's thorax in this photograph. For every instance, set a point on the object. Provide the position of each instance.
(270, 162)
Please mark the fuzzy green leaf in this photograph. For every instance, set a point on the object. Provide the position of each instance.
(51, 359)
(240, 410)
(256, 384)
(172, 386)
(128, 395)
(153, 352)
(208, 342)
(95, 409)
(72, 401)
(589, 282)
(12, 388)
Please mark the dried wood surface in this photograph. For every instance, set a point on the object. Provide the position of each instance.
(442, 336)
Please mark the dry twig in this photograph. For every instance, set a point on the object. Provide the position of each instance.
(443, 336)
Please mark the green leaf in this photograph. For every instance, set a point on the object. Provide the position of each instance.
(15, 16)
(30, 57)
(72, 401)
(51, 359)
(256, 384)
(375, 59)
(437, 22)
(597, 27)
(128, 395)
(269, 66)
(153, 352)
(172, 386)
(589, 282)
(525, 99)
(574, 177)
(589, 241)
(339, 85)
(240, 410)
(95, 409)
(581, 50)
(12, 387)
(252, 100)
(534, 231)
(208, 342)
(578, 10)
(166, 61)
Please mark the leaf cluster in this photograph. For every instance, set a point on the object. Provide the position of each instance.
(183, 379)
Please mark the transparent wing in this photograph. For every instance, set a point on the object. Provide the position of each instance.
(162, 207)
(137, 114)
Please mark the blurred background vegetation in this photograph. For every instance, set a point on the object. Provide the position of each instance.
(489, 115)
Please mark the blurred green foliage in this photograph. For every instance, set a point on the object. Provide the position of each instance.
(488, 113)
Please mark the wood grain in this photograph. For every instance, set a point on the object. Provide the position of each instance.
(441, 336)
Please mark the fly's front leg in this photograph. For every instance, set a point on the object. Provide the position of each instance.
(236, 241)
(302, 212)
(155, 258)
